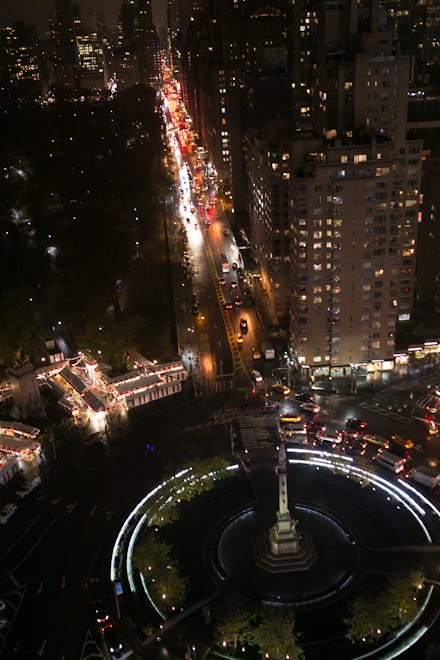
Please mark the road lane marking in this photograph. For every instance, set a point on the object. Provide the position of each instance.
(92, 511)
(23, 559)
(41, 651)
(40, 588)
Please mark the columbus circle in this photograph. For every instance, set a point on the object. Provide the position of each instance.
(326, 533)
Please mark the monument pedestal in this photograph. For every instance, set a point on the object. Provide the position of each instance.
(282, 550)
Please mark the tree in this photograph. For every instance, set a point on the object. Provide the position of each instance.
(367, 619)
(153, 559)
(235, 620)
(379, 612)
(275, 634)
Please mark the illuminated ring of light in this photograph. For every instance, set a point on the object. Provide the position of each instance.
(317, 459)
(403, 493)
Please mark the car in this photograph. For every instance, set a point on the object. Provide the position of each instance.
(233, 285)
(304, 396)
(290, 418)
(354, 444)
(406, 443)
(225, 232)
(238, 301)
(315, 427)
(398, 450)
(101, 615)
(311, 406)
(256, 376)
(240, 273)
(234, 265)
(7, 512)
(298, 437)
(330, 438)
(256, 354)
(222, 281)
(244, 326)
(228, 305)
(376, 440)
(294, 429)
(28, 487)
(194, 309)
(239, 338)
(270, 405)
(432, 428)
(282, 389)
(356, 424)
(113, 644)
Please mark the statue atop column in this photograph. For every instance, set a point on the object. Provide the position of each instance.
(283, 536)
(281, 548)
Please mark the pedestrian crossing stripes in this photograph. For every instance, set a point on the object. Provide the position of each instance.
(427, 401)
(254, 433)
(384, 411)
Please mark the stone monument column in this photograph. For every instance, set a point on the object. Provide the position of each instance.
(283, 536)
(281, 549)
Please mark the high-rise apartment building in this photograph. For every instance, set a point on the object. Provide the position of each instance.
(64, 37)
(137, 35)
(268, 152)
(354, 204)
(20, 80)
(354, 230)
(91, 68)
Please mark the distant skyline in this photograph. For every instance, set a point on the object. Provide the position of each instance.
(38, 12)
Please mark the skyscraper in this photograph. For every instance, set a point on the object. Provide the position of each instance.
(64, 37)
(138, 36)
(354, 205)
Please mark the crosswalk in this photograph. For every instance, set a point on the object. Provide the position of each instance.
(404, 419)
(256, 432)
(427, 400)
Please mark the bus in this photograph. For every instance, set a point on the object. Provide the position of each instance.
(225, 263)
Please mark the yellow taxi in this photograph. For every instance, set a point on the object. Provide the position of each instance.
(282, 389)
(406, 443)
(376, 440)
(289, 418)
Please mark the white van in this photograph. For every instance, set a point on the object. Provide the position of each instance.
(426, 475)
(28, 487)
(7, 512)
(391, 461)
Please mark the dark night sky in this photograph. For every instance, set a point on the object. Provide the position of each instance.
(37, 12)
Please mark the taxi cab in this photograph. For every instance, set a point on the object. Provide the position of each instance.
(406, 443)
(290, 418)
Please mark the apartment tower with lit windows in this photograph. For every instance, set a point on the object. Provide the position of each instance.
(354, 200)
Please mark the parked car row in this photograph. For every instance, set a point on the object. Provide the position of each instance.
(9, 509)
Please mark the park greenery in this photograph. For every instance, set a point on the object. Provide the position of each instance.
(153, 558)
(268, 630)
(198, 479)
(81, 220)
(377, 613)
